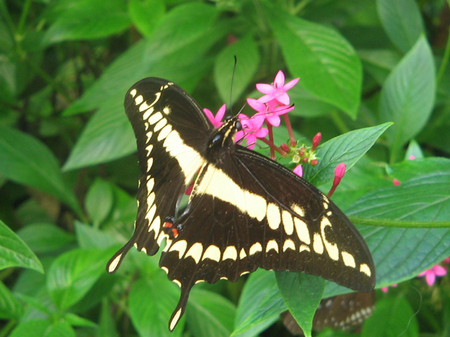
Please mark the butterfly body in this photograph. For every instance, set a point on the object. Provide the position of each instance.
(245, 211)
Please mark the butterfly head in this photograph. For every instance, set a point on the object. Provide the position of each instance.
(223, 137)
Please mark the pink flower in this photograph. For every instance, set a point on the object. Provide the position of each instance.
(298, 170)
(385, 289)
(217, 120)
(268, 111)
(316, 141)
(412, 157)
(277, 91)
(430, 274)
(251, 130)
(339, 172)
(396, 182)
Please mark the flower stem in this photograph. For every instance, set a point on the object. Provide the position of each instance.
(289, 128)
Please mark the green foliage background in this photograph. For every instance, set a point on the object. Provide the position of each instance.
(68, 172)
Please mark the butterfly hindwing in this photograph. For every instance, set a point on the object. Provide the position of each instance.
(171, 134)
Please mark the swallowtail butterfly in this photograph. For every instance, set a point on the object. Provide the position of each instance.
(344, 312)
(245, 211)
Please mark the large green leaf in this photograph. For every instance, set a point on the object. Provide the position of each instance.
(14, 252)
(302, 294)
(151, 303)
(260, 304)
(209, 314)
(45, 237)
(402, 22)
(247, 56)
(87, 19)
(391, 317)
(407, 96)
(326, 63)
(146, 14)
(108, 134)
(347, 148)
(402, 253)
(26, 160)
(43, 328)
(99, 201)
(10, 307)
(74, 273)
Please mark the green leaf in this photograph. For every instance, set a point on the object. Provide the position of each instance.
(413, 150)
(209, 314)
(45, 237)
(407, 97)
(347, 148)
(74, 273)
(108, 134)
(14, 252)
(99, 201)
(146, 14)
(402, 253)
(10, 307)
(107, 326)
(88, 19)
(151, 303)
(260, 304)
(379, 63)
(247, 56)
(33, 328)
(89, 237)
(27, 161)
(402, 21)
(302, 294)
(326, 63)
(391, 317)
(75, 320)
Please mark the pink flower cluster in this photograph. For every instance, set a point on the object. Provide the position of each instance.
(274, 103)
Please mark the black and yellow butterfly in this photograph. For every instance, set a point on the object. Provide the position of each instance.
(245, 210)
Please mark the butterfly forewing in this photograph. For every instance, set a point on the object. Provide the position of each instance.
(171, 134)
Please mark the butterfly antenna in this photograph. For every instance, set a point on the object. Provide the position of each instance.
(232, 83)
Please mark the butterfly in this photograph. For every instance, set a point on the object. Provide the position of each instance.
(344, 312)
(245, 210)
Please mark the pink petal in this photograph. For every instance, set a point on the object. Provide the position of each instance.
(221, 113)
(265, 88)
(266, 99)
(284, 99)
(423, 273)
(430, 279)
(298, 170)
(290, 84)
(384, 289)
(279, 80)
(262, 133)
(258, 119)
(439, 270)
(274, 120)
(256, 105)
(209, 114)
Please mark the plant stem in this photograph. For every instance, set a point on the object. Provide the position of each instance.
(399, 223)
(339, 122)
(444, 62)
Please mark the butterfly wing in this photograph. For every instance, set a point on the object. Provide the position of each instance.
(338, 312)
(171, 134)
(247, 211)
